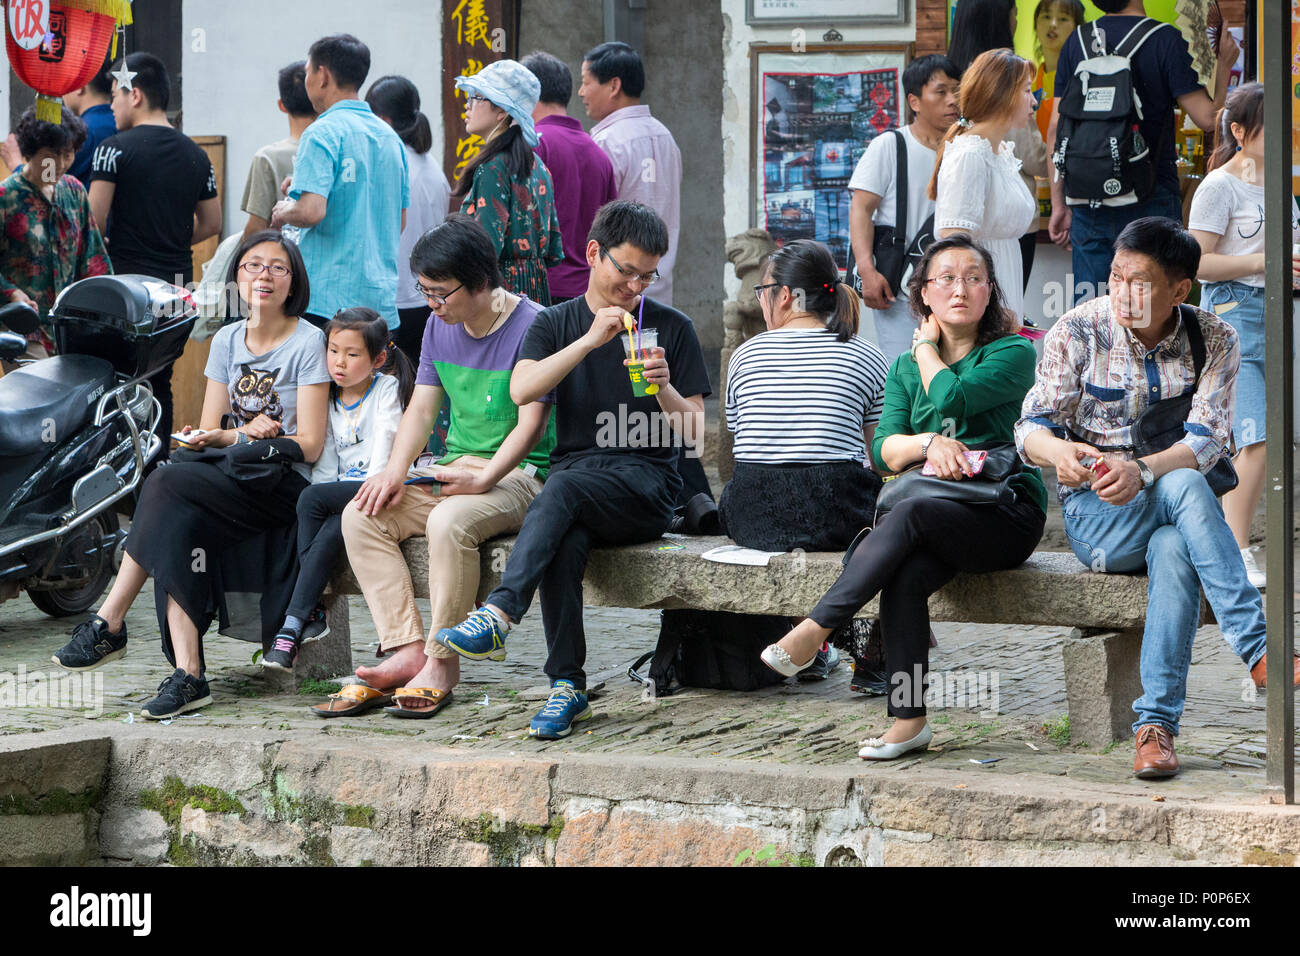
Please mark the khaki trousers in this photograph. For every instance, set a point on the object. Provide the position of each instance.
(455, 526)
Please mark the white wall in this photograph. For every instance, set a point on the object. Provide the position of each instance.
(233, 50)
(736, 38)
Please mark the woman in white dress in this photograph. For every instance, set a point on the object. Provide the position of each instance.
(976, 184)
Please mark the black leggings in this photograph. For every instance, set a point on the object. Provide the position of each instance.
(320, 541)
(912, 552)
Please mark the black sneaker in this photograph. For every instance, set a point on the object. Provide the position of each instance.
(868, 680)
(283, 652)
(92, 644)
(177, 694)
(822, 665)
(317, 626)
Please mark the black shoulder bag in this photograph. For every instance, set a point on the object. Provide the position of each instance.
(992, 486)
(889, 247)
(1164, 423)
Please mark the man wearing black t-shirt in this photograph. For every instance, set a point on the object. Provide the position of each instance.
(613, 477)
(153, 192)
(1163, 78)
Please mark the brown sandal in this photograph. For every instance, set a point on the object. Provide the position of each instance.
(439, 698)
(353, 699)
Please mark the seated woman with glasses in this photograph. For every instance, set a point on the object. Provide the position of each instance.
(199, 515)
(505, 186)
(961, 388)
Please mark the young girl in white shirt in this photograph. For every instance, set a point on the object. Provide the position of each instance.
(371, 382)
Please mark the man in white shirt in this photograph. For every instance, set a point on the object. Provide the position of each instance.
(647, 162)
(931, 92)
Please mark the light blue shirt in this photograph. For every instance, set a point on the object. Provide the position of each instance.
(355, 160)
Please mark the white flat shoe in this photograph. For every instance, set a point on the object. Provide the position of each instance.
(775, 657)
(875, 748)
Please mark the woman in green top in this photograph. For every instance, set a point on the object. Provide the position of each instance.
(505, 187)
(960, 388)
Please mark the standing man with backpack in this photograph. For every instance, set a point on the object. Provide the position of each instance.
(881, 187)
(1138, 70)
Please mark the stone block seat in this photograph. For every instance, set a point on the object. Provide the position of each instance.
(1106, 611)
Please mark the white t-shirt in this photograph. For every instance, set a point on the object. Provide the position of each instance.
(430, 199)
(800, 396)
(877, 171)
(360, 437)
(1234, 209)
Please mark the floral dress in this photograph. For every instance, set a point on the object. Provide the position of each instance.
(520, 218)
(47, 244)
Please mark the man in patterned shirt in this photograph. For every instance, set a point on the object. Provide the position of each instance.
(1104, 363)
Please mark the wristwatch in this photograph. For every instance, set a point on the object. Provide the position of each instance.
(1148, 476)
(926, 439)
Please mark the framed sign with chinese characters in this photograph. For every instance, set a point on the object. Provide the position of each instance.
(474, 34)
(812, 115)
(832, 12)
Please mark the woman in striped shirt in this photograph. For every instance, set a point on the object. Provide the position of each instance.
(803, 399)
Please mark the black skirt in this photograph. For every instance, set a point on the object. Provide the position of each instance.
(819, 507)
(204, 537)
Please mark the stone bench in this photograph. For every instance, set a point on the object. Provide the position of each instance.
(1107, 612)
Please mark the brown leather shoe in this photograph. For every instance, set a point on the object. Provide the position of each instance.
(1257, 673)
(1155, 753)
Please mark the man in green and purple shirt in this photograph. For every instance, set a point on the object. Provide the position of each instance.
(497, 455)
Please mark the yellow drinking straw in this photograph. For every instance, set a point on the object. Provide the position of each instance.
(629, 323)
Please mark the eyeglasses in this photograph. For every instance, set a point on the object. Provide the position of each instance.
(758, 289)
(438, 300)
(257, 268)
(648, 278)
(948, 282)
(475, 98)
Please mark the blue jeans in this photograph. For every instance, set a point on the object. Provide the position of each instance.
(1093, 233)
(1177, 531)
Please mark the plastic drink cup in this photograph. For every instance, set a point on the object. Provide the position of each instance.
(649, 339)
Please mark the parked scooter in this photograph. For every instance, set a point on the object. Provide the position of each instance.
(76, 432)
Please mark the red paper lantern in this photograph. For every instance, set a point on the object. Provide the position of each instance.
(72, 52)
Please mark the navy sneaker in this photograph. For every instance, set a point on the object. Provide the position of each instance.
(566, 706)
(178, 693)
(92, 644)
(481, 636)
(283, 652)
(317, 626)
(827, 659)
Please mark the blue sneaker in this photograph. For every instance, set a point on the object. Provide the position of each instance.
(481, 636)
(565, 707)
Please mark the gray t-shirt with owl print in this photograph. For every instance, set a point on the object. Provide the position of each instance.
(268, 383)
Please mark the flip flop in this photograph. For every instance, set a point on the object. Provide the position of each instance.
(439, 698)
(352, 699)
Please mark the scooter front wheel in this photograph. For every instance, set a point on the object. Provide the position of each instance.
(79, 598)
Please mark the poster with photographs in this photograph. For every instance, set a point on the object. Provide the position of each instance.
(815, 124)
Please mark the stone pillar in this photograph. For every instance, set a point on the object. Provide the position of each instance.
(742, 319)
(1101, 683)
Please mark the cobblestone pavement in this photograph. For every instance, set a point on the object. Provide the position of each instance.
(1222, 742)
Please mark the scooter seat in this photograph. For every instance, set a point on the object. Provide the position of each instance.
(44, 403)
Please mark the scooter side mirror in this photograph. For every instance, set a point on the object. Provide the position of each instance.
(20, 317)
(12, 346)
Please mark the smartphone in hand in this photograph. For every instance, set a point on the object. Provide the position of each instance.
(186, 438)
(974, 460)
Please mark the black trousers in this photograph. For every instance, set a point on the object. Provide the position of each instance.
(913, 551)
(600, 499)
(410, 334)
(320, 541)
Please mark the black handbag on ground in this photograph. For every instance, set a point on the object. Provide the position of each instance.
(890, 250)
(718, 650)
(992, 486)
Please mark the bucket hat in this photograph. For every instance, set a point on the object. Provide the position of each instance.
(510, 86)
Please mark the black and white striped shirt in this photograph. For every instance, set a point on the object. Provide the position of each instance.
(799, 396)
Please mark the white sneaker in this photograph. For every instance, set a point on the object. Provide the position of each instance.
(1256, 576)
